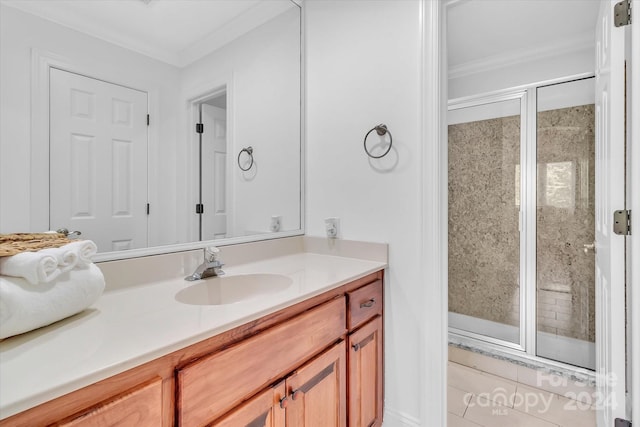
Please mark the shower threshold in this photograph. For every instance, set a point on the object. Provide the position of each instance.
(579, 355)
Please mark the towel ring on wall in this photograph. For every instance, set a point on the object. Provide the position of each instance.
(381, 130)
(249, 151)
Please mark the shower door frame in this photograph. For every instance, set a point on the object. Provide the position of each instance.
(528, 218)
(492, 98)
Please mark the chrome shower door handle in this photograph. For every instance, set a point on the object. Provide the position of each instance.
(589, 247)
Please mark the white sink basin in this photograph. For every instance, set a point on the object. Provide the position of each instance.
(233, 289)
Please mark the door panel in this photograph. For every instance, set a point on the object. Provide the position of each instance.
(484, 148)
(610, 266)
(263, 410)
(214, 172)
(98, 160)
(565, 222)
(318, 391)
(365, 375)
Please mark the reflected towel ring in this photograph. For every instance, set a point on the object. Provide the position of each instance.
(249, 151)
(381, 130)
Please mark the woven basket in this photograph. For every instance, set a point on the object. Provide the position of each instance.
(12, 244)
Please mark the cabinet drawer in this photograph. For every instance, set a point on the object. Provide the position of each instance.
(364, 303)
(141, 407)
(213, 385)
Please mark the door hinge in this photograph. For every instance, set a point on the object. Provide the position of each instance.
(199, 128)
(148, 208)
(199, 208)
(622, 222)
(622, 13)
(619, 422)
(148, 120)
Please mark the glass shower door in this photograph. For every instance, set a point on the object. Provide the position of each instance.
(565, 223)
(484, 211)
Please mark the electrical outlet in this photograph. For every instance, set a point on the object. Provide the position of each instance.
(331, 226)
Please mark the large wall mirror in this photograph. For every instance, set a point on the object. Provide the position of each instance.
(151, 125)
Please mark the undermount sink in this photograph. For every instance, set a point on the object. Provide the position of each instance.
(232, 289)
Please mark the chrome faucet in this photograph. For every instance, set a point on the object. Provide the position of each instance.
(210, 267)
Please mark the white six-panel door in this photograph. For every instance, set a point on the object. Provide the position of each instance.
(98, 160)
(610, 256)
(214, 172)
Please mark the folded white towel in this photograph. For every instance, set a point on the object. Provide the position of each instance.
(35, 267)
(24, 307)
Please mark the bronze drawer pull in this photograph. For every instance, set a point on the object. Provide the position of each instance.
(284, 402)
(368, 304)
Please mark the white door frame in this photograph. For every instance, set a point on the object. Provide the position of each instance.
(193, 99)
(634, 140)
(435, 218)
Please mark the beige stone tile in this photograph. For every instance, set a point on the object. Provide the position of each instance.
(457, 400)
(490, 414)
(482, 384)
(554, 408)
(484, 363)
(456, 421)
(556, 384)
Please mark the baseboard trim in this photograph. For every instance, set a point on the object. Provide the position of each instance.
(393, 418)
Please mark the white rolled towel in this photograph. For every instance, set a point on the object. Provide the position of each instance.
(35, 267)
(85, 249)
(75, 254)
(67, 258)
(24, 306)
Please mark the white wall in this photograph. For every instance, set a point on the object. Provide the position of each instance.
(261, 69)
(523, 73)
(23, 32)
(363, 68)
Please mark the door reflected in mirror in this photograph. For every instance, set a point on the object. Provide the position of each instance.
(143, 138)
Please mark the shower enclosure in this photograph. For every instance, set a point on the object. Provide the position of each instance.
(521, 220)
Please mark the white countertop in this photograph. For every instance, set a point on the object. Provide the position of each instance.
(131, 326)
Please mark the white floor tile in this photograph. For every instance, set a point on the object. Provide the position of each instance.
(457, 400)
(489, 414)
(556, 384)
(456, 421)
(481, 384)
(554, 408)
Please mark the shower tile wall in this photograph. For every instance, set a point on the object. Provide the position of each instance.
(484, 254)
(565, 222)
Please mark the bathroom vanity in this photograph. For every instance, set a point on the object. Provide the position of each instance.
(308, 353)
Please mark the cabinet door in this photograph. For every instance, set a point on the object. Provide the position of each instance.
(318, 391)
(365, 375)
(264, 410)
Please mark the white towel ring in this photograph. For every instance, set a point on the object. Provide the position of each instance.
(381, 130)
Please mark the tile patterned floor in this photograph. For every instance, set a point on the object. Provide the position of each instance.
(488, 392)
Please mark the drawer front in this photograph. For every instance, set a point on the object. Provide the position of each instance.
(364, 303)
(211, 386)
(141, 407)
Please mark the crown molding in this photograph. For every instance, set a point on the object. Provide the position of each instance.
(576, 44)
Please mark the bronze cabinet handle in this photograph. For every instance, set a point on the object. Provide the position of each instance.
(368, 304)
(356, 347)
(296, 394)
(284, 402)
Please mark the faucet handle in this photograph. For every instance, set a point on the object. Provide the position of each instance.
(211, 253)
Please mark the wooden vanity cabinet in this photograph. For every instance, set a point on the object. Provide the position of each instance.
(317, 363)
(365, 355)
